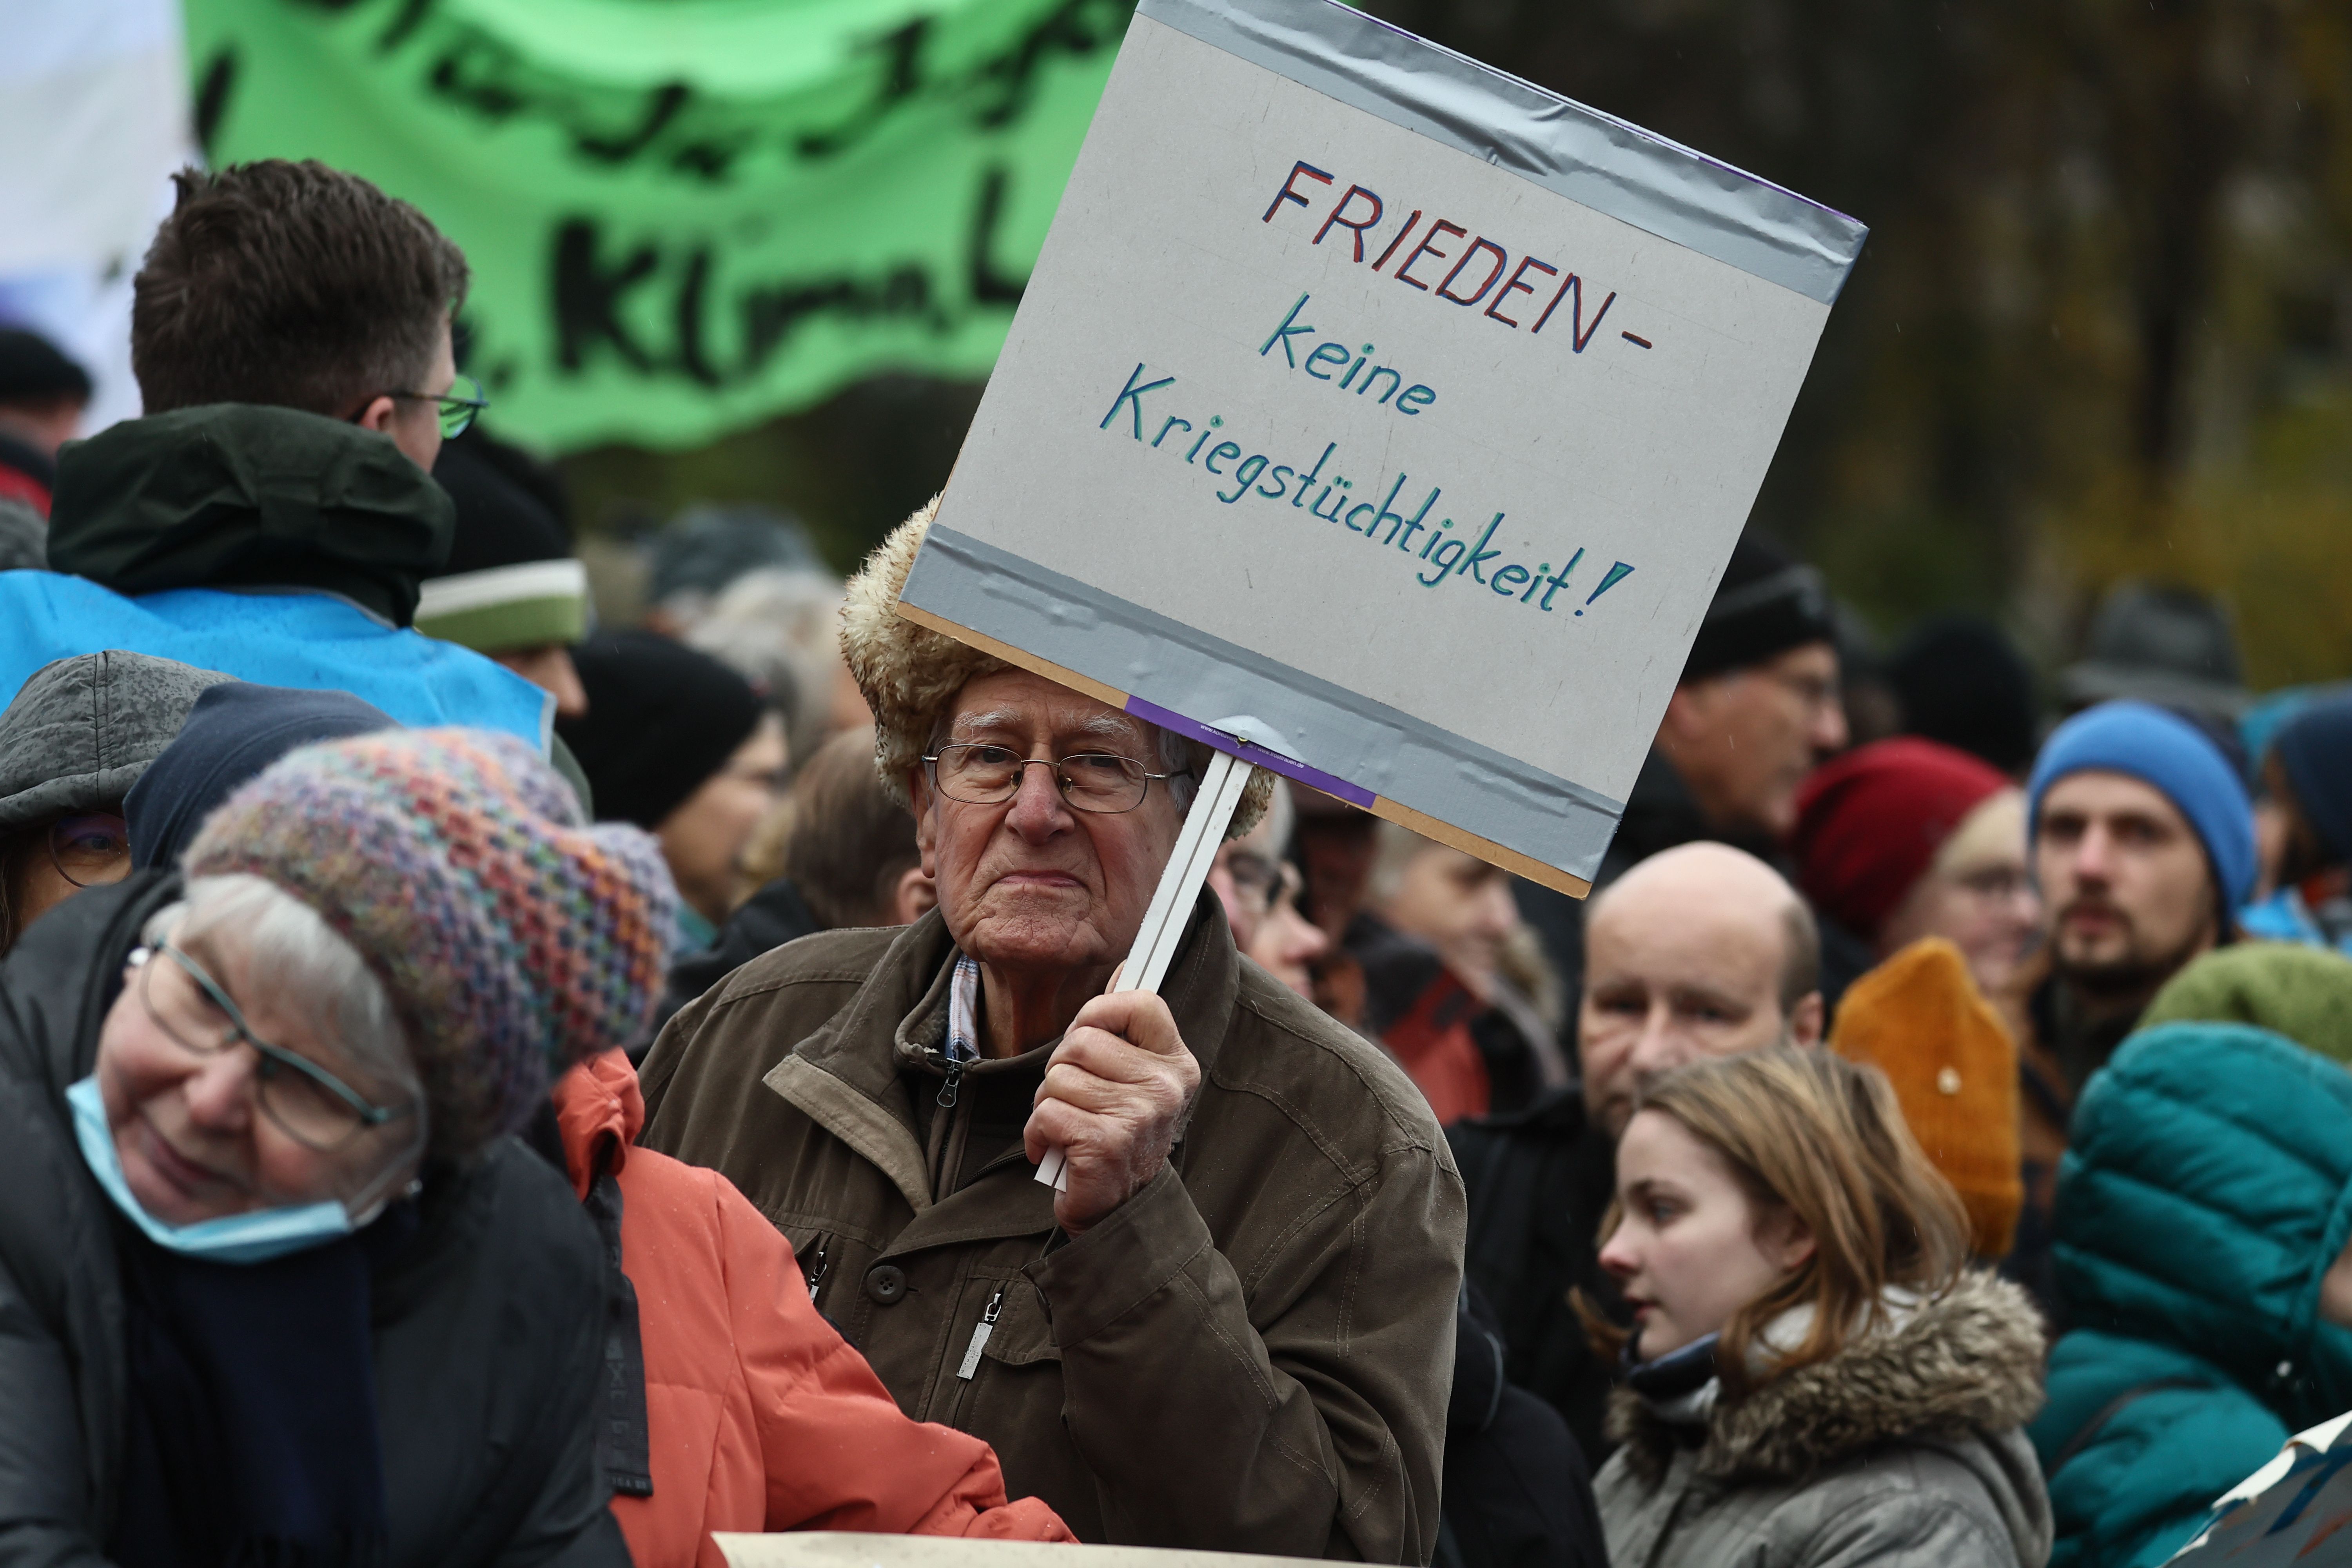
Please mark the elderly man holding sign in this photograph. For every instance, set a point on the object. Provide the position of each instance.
(1233, 1328)
(1379, 417)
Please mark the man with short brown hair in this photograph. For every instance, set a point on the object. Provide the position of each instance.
(297, 286)
(273, 514)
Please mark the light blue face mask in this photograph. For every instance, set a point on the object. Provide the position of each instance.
(254, 1237)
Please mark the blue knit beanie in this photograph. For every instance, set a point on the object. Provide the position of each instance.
(2166, 753)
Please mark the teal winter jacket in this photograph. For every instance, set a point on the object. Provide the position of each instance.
(2207, 1187)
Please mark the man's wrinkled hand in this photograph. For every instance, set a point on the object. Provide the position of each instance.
(1116, 1092)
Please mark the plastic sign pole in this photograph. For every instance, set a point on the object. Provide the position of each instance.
(1147, 961)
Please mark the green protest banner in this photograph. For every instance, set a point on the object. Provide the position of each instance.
(686, 216)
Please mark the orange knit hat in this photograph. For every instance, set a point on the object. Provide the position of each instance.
(1919, 1019)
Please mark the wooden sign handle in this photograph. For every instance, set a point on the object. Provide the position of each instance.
(1147, 961)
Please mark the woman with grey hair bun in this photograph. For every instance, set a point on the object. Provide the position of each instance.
(76, 737)
(275, 1283)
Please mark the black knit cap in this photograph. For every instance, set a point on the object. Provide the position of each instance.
(32, 370)
(1766, 604)
(662, 719)
(510, 506)
(1963, 682)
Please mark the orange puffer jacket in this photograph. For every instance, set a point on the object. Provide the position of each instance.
(761, 1417)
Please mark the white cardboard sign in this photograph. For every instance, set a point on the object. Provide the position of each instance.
(1383, 412)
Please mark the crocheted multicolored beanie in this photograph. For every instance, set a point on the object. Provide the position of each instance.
(513, 939)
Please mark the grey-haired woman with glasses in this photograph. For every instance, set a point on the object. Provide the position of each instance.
(314, 1048)
(72, 742)
(276, 1283)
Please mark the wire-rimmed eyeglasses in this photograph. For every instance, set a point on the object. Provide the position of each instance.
(315, 1108)
(979, 772)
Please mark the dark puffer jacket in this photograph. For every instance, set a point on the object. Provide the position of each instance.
(488, 1324)
(2206, 1191)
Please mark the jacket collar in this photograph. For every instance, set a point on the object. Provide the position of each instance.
(1968, 1361)
(599, 1110)
(848, 1075)
(237, 495)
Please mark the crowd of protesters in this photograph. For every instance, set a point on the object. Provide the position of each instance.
(478, 1086)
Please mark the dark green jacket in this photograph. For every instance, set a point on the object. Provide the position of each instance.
(2206, 1188)
(241, 495)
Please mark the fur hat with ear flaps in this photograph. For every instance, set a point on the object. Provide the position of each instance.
(909, 673)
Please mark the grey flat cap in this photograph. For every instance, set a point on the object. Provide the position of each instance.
(82, 730)
(2162, 644)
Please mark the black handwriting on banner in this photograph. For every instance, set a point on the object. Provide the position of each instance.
(675, 127)
(594, 286)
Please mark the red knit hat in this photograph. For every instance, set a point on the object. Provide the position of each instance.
(1869, 823)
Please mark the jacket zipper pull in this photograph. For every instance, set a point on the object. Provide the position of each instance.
(817, 1275)
(948, 1090)
(980, 1332)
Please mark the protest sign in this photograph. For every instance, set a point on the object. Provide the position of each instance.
(2294, 1511)
(1383, 411)
(841, 1549)
(685, 217)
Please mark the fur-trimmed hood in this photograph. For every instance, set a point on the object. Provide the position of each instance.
(908, 673)
(1967, 1361)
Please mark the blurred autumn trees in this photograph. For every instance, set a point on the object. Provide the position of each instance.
(2103, 327)
(2104, 324)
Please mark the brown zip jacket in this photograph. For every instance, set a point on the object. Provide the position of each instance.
(1253, 1354)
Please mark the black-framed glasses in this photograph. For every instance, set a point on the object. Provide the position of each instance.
(458, 406)
(315, 1108)
(979, 773)
(91, 848)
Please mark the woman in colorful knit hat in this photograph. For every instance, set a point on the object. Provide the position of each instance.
(275, 1285)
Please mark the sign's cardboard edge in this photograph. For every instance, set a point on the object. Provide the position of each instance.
(848, 1548)
(1428, 826)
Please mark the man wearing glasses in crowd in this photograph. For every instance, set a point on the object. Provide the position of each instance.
(1234, 1329)
(273, 513)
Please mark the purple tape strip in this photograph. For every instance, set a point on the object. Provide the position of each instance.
(1274, 761)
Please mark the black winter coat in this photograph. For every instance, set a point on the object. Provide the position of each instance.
(487, 1332)
(1539, 1181)
(1518, 1494)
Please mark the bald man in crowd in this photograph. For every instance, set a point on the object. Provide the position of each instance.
(1700, 950)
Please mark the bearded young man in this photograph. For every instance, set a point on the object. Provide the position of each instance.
(2142, 842)
(1234, 1330)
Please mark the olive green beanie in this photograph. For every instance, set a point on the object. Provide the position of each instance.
(2303, 993)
